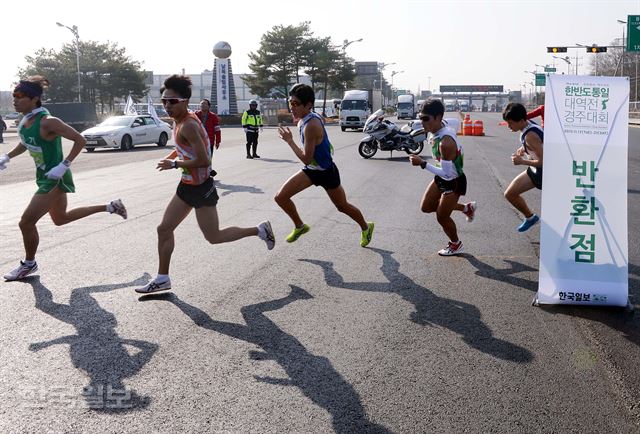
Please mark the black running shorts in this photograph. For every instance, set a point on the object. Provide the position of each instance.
(328, 178)
(197, 196)
(536, 177)
(457, 186)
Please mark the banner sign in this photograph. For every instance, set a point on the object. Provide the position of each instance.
(583, 236)
(222, 83)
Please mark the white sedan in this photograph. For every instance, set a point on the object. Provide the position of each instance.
(124, 132)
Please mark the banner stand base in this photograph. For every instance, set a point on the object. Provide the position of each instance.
(629, 308)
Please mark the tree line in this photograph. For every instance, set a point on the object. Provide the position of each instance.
(107, 73)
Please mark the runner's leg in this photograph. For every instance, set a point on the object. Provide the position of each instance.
(207, 217)
(339, 199)
(40, 204)
(430, 198)
(58, 210)
(176, 212)
(294, 185)
(520, 184)
(448, 203)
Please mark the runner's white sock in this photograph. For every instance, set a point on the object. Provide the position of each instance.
(161, 278)
(110, 208)
(29, 263)
(262, 232)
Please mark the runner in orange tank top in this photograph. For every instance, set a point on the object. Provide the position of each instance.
(196, 188)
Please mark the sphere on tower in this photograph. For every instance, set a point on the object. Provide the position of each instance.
(222, 50)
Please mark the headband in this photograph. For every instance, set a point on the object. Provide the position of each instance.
(29, 88)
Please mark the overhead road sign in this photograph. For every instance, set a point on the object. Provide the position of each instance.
(633, 33)
(472, 88)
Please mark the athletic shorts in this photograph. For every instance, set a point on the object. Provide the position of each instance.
(197, 196)
(536, 177)
(45, 185)
(457, 185)
(328, 178)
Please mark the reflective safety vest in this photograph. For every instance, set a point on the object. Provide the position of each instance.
(252, 120)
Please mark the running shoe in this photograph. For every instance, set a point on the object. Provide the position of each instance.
(117, 207)
(297, 232)
(265, 232)
(366, 235)
(452, 249)
(471, 211)
(527, 223)
(154, 286)
(22, 271)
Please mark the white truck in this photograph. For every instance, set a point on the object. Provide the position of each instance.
(406, 106)
(355, 108)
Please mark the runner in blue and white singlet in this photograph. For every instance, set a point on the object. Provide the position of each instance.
(319, 169)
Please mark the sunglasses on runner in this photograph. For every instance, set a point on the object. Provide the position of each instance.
(172, 101)
(19, 95)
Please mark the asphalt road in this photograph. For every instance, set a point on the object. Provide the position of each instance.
(316, 336)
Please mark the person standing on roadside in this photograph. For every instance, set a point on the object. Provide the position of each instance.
(450, 182)
(192, 157)
(252, 125)
(538, 111)
(319, 169)
(3, 127)
(40, 134)
(211, 124)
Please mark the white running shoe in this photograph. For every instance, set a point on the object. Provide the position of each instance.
(118, 207)
(452, 249)
(22, 271)
(154, 286)
(471, 211)
(265, 232)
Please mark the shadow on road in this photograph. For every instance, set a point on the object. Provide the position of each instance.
(96, 348)
(503, 274)
(430, 309)
(233, 188)
(313, 375)
(276, 160)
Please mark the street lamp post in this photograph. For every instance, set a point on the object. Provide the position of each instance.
(393, 73)
(595, 61)
(623, 45)
(566, 59)
(74, 30)
(381, 66)
(345, 44)
(535, 74)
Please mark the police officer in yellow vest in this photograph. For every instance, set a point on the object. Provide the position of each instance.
(252, 124)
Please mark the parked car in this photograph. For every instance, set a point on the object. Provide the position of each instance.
(125, 132)
(12, 115)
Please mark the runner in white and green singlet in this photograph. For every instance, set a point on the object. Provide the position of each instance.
(41, 135)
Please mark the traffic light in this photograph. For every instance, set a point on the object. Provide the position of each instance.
(596, 49)
(556, 50)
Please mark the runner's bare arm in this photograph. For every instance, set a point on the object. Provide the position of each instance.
(51, 127)
(19, 149)
(535, 145)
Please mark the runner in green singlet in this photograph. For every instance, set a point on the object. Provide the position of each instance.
(41, 134)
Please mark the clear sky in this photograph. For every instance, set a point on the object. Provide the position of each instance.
(451, 41)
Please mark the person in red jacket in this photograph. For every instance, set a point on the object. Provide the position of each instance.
(211, 124)
(539, 111)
